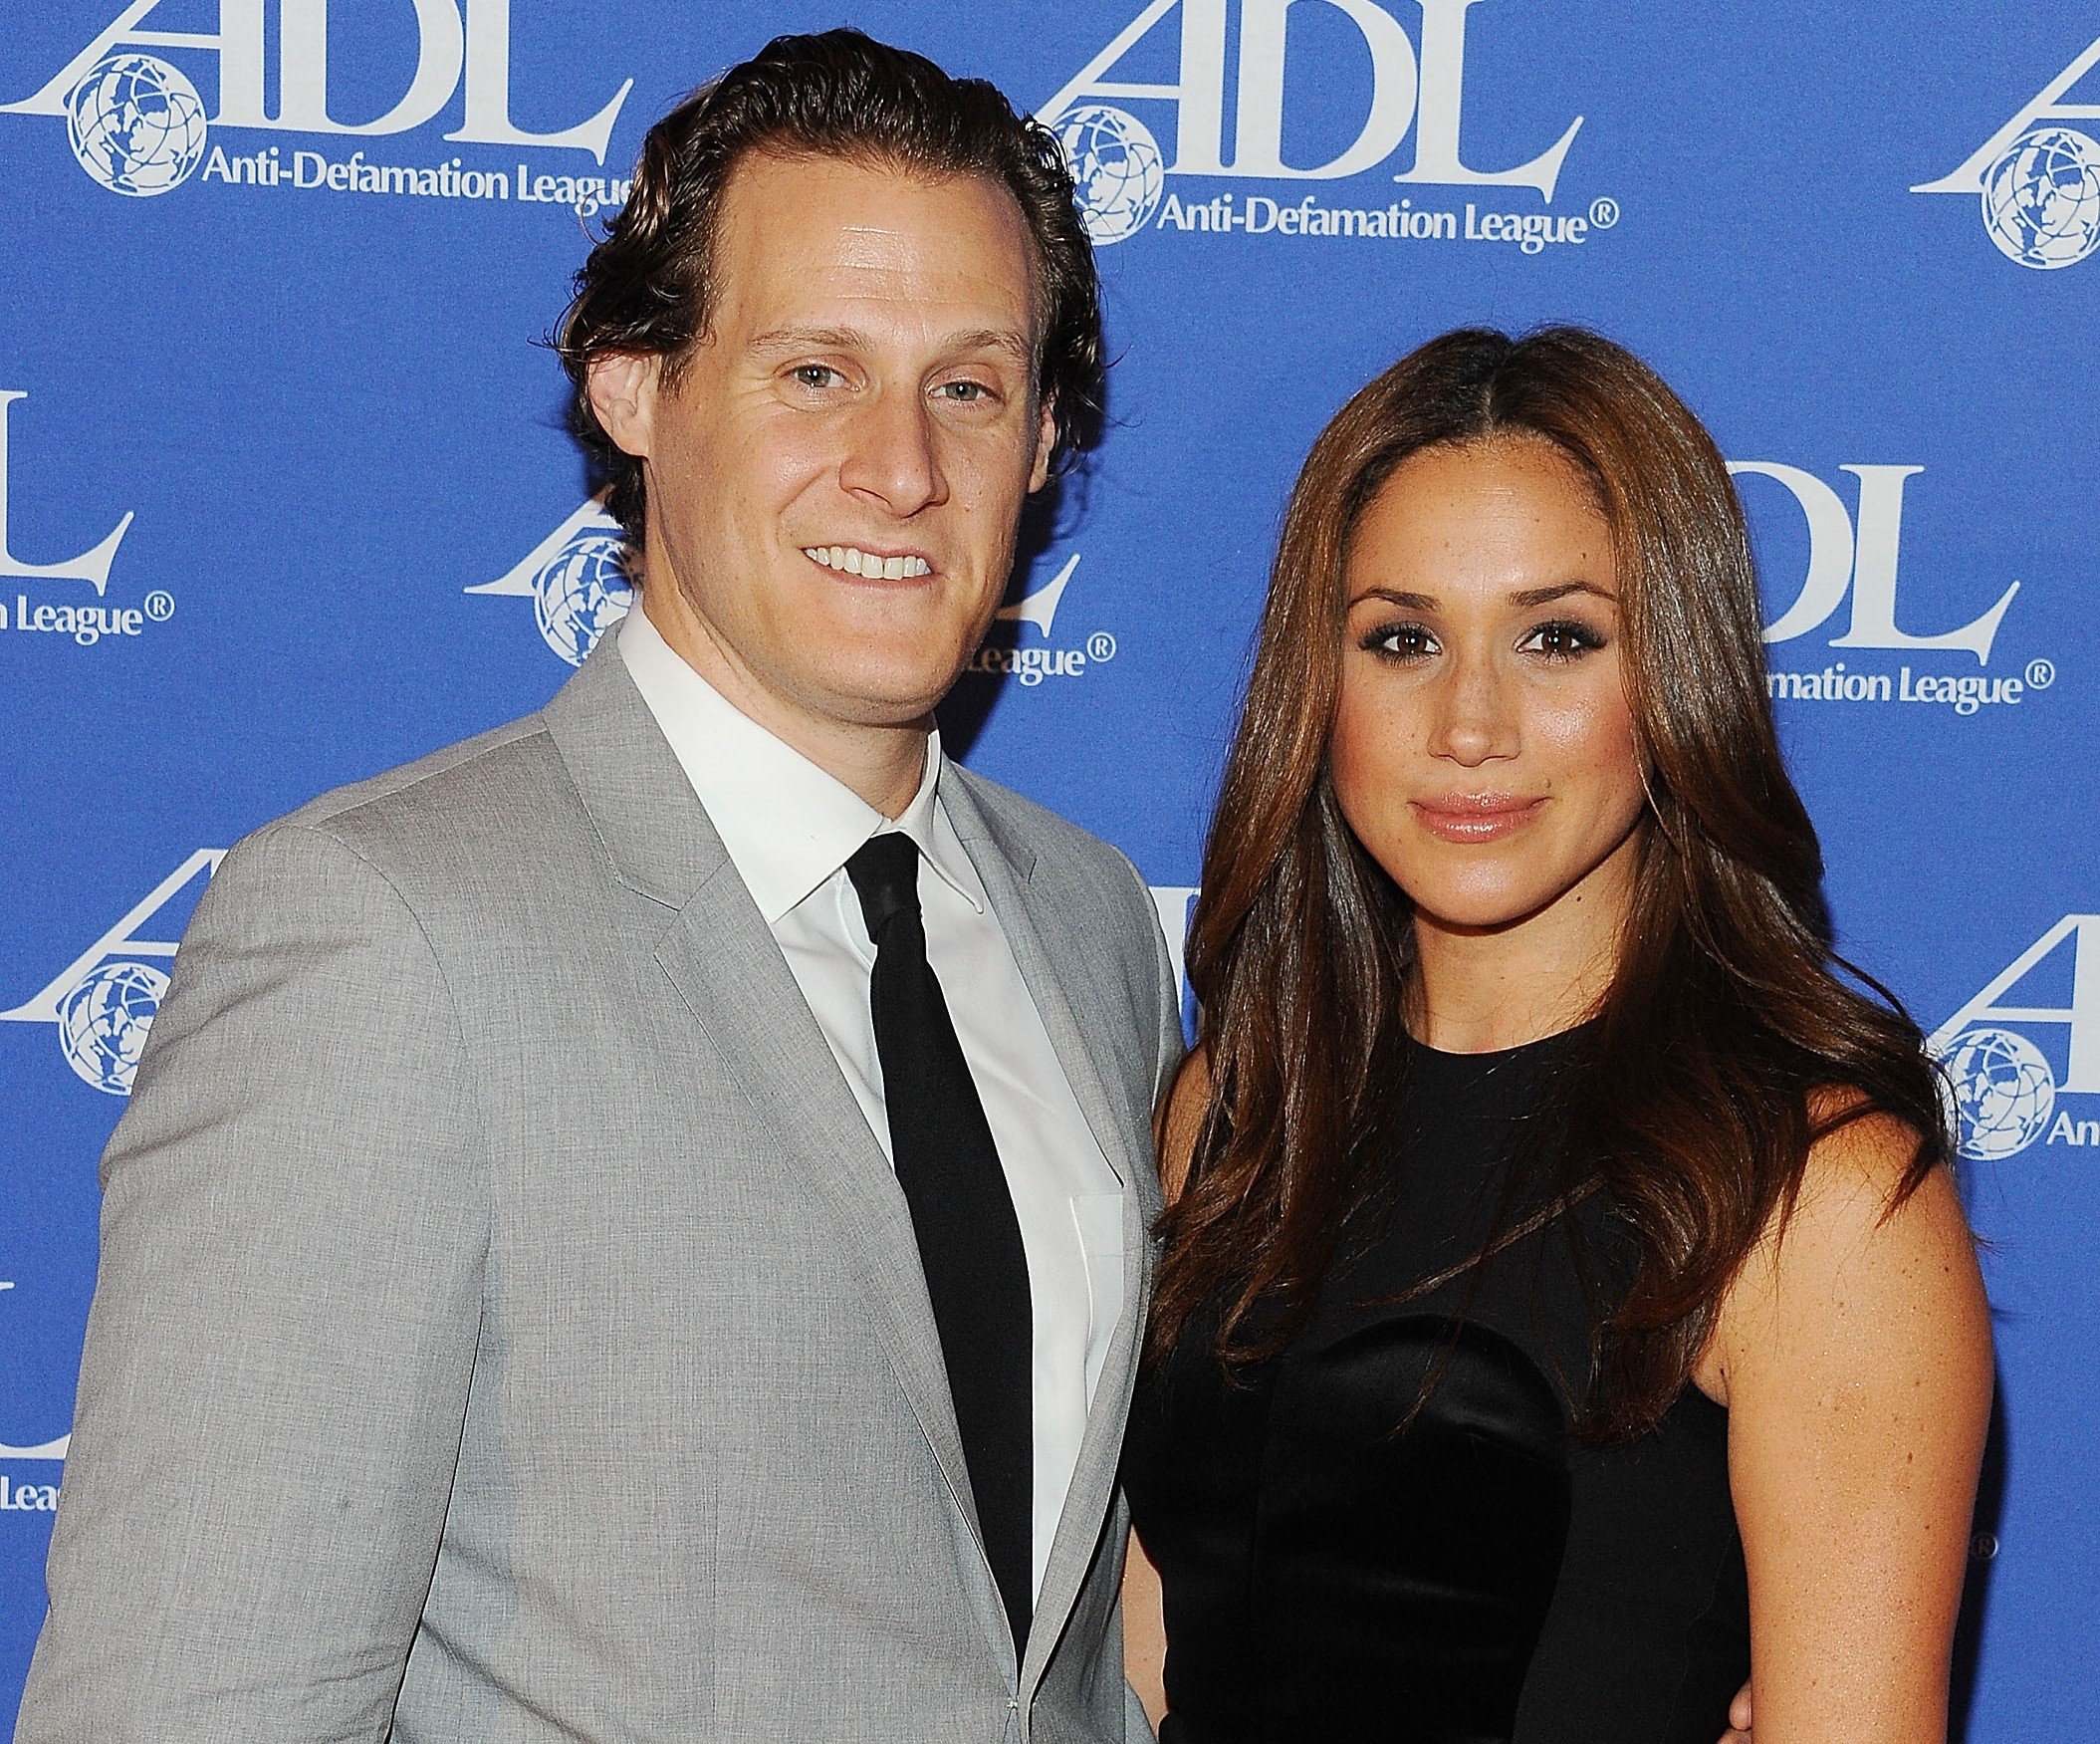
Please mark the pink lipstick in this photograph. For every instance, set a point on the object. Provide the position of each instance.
(1476, 816)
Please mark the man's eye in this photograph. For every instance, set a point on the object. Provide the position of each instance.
(1404, 641)
(965, 392)
(817, 376)
(1563, 640)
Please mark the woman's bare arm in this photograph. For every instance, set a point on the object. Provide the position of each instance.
(1144, 1633)
(1854, 1357)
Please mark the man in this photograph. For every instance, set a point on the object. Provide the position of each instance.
(632, 1227)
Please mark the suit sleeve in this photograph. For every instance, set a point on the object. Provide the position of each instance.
(1137, 1729)
(275, 1376)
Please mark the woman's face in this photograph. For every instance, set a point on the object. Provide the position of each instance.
(1483, 748)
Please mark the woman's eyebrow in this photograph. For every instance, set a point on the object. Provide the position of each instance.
(1529, 596)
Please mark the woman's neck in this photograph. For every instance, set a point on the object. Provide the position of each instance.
(1476, 990)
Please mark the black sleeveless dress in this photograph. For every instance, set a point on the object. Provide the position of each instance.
(1481, 1578)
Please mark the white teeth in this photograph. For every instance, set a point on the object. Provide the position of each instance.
(851, 559)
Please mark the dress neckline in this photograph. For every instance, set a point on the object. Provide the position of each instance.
(1540, 1048)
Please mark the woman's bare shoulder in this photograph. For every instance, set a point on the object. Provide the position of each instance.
(1869, 1253)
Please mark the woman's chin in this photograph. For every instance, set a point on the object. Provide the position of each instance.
(1472, 916)
(1476, 912)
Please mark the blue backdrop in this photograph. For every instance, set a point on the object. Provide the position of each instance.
(284, 498)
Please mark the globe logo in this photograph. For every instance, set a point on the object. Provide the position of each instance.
(2041, 200)
(137, 124)
(582, 592)
(1116, 168)
(103, 1021)
(2003, 1090)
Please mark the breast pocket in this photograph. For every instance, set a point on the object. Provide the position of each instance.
(1099, 1218)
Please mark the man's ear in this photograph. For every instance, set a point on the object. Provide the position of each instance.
(622, 386)
(1045, 446)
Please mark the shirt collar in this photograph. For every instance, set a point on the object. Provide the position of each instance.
(787, 825)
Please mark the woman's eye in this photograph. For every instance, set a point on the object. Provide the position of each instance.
(1404, 641)
(817, 376)
(1563, 640)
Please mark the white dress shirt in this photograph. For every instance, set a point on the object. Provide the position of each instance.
(788, 829)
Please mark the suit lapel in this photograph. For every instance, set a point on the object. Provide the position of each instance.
(728, 969)
(1007, 866)
(725, 964)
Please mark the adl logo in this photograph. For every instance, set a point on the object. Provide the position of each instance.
(138, 124)
(2005, 1088)
(104, 1000)
(1121, 170)
(580, 579)
(2039, 185)
(1858, 555)
(1030, 665)
(92, 566)
(84, 626)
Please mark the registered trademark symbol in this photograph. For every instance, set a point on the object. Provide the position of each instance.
(160, 605)
(2040, 674)
(1100, 645)
(1984, 1547)
(1603, 212)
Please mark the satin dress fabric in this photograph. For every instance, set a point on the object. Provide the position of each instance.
(1480, 1576)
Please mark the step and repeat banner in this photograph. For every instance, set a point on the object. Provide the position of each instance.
(285, 499)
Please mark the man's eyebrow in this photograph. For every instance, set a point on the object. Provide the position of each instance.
(816, 338)
(783, 339)
(995, 339)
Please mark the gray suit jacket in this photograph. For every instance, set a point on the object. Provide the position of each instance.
(508, 1327)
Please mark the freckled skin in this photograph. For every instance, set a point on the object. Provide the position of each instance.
(867, 378)
(1854, 1357)
(1463, 688)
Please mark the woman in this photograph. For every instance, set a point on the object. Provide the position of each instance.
(1566, 1311)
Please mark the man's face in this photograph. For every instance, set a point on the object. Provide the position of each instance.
(836, 473)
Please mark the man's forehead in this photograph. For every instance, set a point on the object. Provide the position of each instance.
(800, 236)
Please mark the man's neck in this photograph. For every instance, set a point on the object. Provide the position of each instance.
(884, 764)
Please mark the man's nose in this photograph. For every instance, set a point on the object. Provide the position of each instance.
(1474, 720)
(893, 454)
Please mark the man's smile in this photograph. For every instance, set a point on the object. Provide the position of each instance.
(853, 559)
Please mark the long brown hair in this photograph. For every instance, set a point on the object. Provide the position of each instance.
(1704, 1079)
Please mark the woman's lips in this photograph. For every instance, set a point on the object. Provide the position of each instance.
(1476, 817)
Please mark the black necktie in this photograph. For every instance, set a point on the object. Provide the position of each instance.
(969, 1239)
